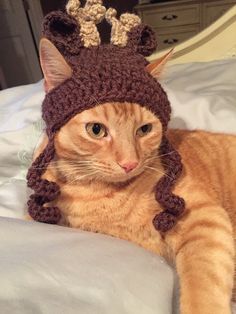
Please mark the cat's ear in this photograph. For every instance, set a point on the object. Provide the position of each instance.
(55, 68)
(156, 68)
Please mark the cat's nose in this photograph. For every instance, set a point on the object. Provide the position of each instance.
(129, 166)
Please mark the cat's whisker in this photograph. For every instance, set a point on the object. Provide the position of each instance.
(62, 164)
(67, 162)
(148, 161)
(60, 168)
(67, 169)
(167, 154)
(76, 179)
(156, 157)
(101, 168)
(85, 163)
(151, 171)
(158, 171)
(77, 171)
(71, 165)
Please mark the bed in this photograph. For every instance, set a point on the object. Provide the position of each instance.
(50, 269)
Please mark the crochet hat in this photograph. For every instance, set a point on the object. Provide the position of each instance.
(101, 73)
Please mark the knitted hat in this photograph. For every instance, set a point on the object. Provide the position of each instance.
(102, 73)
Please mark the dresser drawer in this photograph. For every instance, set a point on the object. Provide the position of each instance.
(213, 10)
(178, 35)
(161, 17)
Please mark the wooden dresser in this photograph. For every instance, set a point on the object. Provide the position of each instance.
(176, 21)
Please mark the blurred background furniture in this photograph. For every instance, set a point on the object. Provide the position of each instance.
(176, 21)
(2, 80)
(216, 42)
(19, 33)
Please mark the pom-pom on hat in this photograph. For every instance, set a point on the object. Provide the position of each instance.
(93, 74)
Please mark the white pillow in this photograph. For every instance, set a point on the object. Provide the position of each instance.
(47, 269)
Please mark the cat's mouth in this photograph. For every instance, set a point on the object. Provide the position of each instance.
(124, 177)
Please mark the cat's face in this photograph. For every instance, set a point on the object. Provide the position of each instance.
(113, 142)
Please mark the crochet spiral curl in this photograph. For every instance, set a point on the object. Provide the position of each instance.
(173, 205)
(45, 191)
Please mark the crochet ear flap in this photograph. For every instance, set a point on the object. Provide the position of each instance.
(55, 68)
(142, 39)
(156, 68)
(64, 32)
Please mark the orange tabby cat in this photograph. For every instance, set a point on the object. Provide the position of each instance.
(106, 167)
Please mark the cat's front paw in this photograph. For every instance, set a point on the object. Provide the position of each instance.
(27, 217)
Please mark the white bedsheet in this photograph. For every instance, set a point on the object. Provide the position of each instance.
(203, 95)
(46, 269)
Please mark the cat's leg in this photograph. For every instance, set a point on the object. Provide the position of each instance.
(204, 251)
(27, 217)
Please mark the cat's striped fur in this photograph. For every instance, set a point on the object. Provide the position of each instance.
(97, 195)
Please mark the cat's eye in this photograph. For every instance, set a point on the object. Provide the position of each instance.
(96, 130)
(144, 130)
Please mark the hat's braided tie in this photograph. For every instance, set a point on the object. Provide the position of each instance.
(45, 191)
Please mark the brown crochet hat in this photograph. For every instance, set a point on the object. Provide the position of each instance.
(102, 73)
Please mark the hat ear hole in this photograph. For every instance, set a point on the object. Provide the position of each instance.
(147, 43)
(64, 32)
(145, 37)
(62, 27)
(143, 40)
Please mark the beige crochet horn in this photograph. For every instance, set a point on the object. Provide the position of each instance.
(121, 28)
(87, 17)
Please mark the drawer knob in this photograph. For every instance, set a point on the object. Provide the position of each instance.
(170, 17)
(170, 41)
